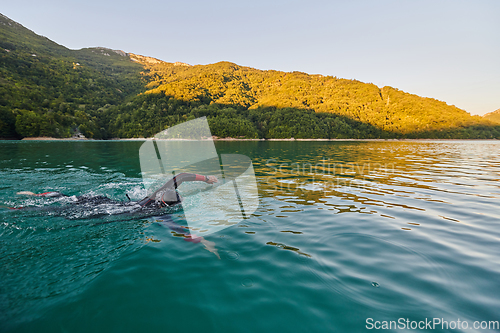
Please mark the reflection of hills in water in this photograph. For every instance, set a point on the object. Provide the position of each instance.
(376, 178)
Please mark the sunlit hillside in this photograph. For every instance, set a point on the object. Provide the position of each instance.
(493, 116)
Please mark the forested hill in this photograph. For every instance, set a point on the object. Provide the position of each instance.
(49, 90)
(493, 116)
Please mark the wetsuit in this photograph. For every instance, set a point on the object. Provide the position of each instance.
(167, 194)
(164, 196)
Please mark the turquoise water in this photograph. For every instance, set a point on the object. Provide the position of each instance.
(345, 231)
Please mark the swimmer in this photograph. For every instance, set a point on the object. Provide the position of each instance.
(165, 196)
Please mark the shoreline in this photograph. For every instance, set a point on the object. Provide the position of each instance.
(240, 139)
(48, 138)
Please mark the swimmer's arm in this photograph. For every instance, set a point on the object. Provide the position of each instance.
(190, 177)
(187, 177)
(176, 182)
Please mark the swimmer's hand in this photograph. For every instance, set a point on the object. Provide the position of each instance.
(25, 193)
(211, 180)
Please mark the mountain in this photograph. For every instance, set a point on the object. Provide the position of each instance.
(49, 90)
(493, 116)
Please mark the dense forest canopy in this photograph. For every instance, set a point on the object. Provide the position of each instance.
(49, 90)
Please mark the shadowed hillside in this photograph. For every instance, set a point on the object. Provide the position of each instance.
(49, 90)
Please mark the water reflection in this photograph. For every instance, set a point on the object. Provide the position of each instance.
(289, 248)
(372, 177)
(412, 219)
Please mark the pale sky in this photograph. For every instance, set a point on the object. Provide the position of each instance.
(448, 50)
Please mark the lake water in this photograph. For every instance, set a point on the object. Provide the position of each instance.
(344, 232)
